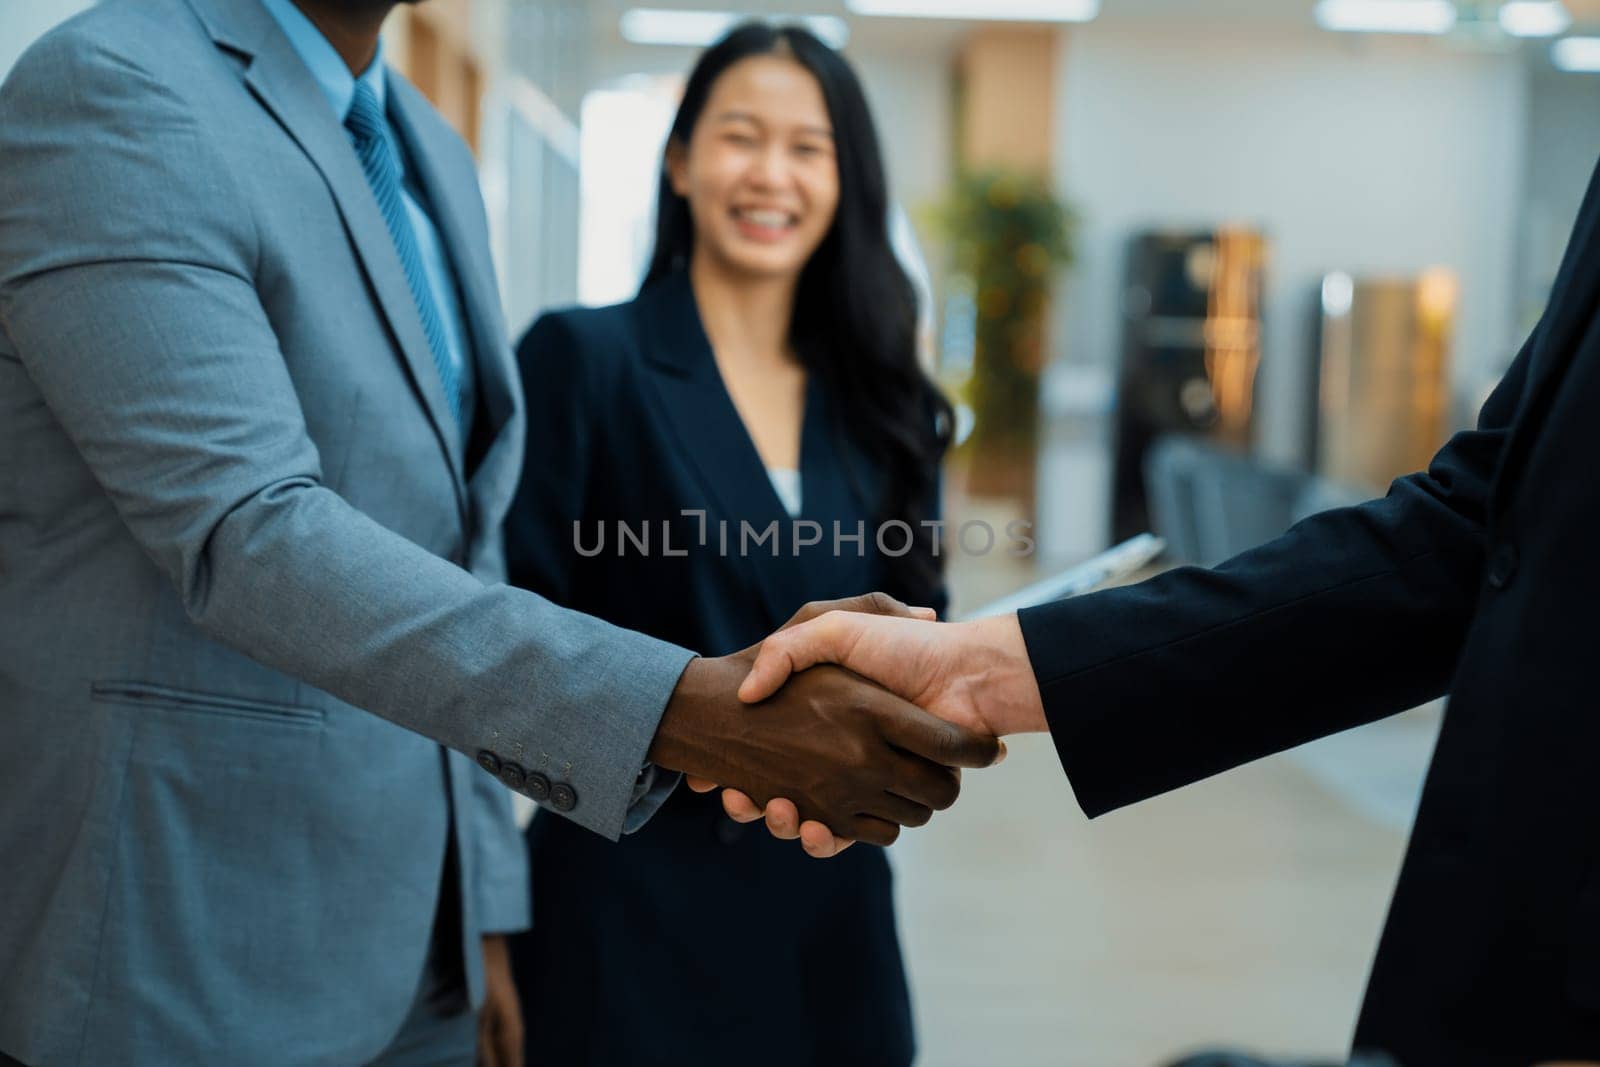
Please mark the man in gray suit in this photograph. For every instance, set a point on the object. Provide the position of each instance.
(258, 432)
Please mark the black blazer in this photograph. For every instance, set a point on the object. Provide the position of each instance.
(1479, 578)
(629, 422)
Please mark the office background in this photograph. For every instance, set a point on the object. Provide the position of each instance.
(1305, 239)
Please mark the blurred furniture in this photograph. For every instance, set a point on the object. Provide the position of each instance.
(1231, 1058)
(1077, 405)
(1209, 504)
(1191, 344)
(1383, 401)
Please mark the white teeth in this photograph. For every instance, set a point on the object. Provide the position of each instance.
(773, 219)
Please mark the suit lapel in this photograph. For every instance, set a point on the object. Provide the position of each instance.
(1565, 329)
(713, 437)
(455, 206)
(840, 484)
(280, 81)
(452, 206)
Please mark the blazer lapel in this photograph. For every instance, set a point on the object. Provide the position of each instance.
(839, 484)
(452, 205)
(712, 435)
(840, 480)
(279, 80)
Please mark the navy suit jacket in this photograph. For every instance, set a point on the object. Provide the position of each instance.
(630, 423)
(1479, 578)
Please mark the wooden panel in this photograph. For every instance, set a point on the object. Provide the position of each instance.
(1584, 12)
(1008, 83)
(432, 46)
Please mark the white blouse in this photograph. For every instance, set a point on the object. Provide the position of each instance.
(786, 483)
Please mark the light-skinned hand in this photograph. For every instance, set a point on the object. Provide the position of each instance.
(976, 674)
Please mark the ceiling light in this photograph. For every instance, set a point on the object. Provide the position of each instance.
(1577, 54)
(1534, 18)
(1338, 293)
(1386, 16)
(696, 29)
(981, 10)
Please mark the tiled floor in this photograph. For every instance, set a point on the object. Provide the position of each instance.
(1242, 911)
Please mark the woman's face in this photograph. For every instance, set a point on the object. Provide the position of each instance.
(759, 171)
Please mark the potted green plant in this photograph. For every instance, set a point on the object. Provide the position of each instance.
(1008, 234)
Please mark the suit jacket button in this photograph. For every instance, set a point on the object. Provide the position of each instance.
(563, 797)
(489, 762)
(511, 775)
(729, 832)
(1502, 566)
(537, 786)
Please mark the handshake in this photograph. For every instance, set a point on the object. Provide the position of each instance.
(851, 721)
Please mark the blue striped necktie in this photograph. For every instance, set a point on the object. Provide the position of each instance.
(370, 134)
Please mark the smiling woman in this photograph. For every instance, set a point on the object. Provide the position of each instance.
(788, 107)
(765, 377)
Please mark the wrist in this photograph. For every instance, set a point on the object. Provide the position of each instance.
(1010, 691)
(694, 716)
(496, 952)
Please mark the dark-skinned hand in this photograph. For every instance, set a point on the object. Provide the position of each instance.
(844, 752)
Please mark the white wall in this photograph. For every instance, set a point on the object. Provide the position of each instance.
(22, 21)
(1371, 156)
(1563, 136)
(911, 103)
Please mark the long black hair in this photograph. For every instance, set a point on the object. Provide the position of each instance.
(855, 311)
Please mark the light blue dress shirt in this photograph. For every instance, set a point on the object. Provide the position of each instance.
(339, 86)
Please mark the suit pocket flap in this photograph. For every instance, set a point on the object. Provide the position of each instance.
(146, 694)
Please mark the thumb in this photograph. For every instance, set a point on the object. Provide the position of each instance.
(793, 650)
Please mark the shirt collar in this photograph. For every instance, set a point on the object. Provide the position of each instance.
(322, 60)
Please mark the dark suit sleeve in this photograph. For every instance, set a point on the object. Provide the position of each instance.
(552, 496)
(1352, 615)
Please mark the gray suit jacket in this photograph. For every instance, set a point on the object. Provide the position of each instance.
(233, 511)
